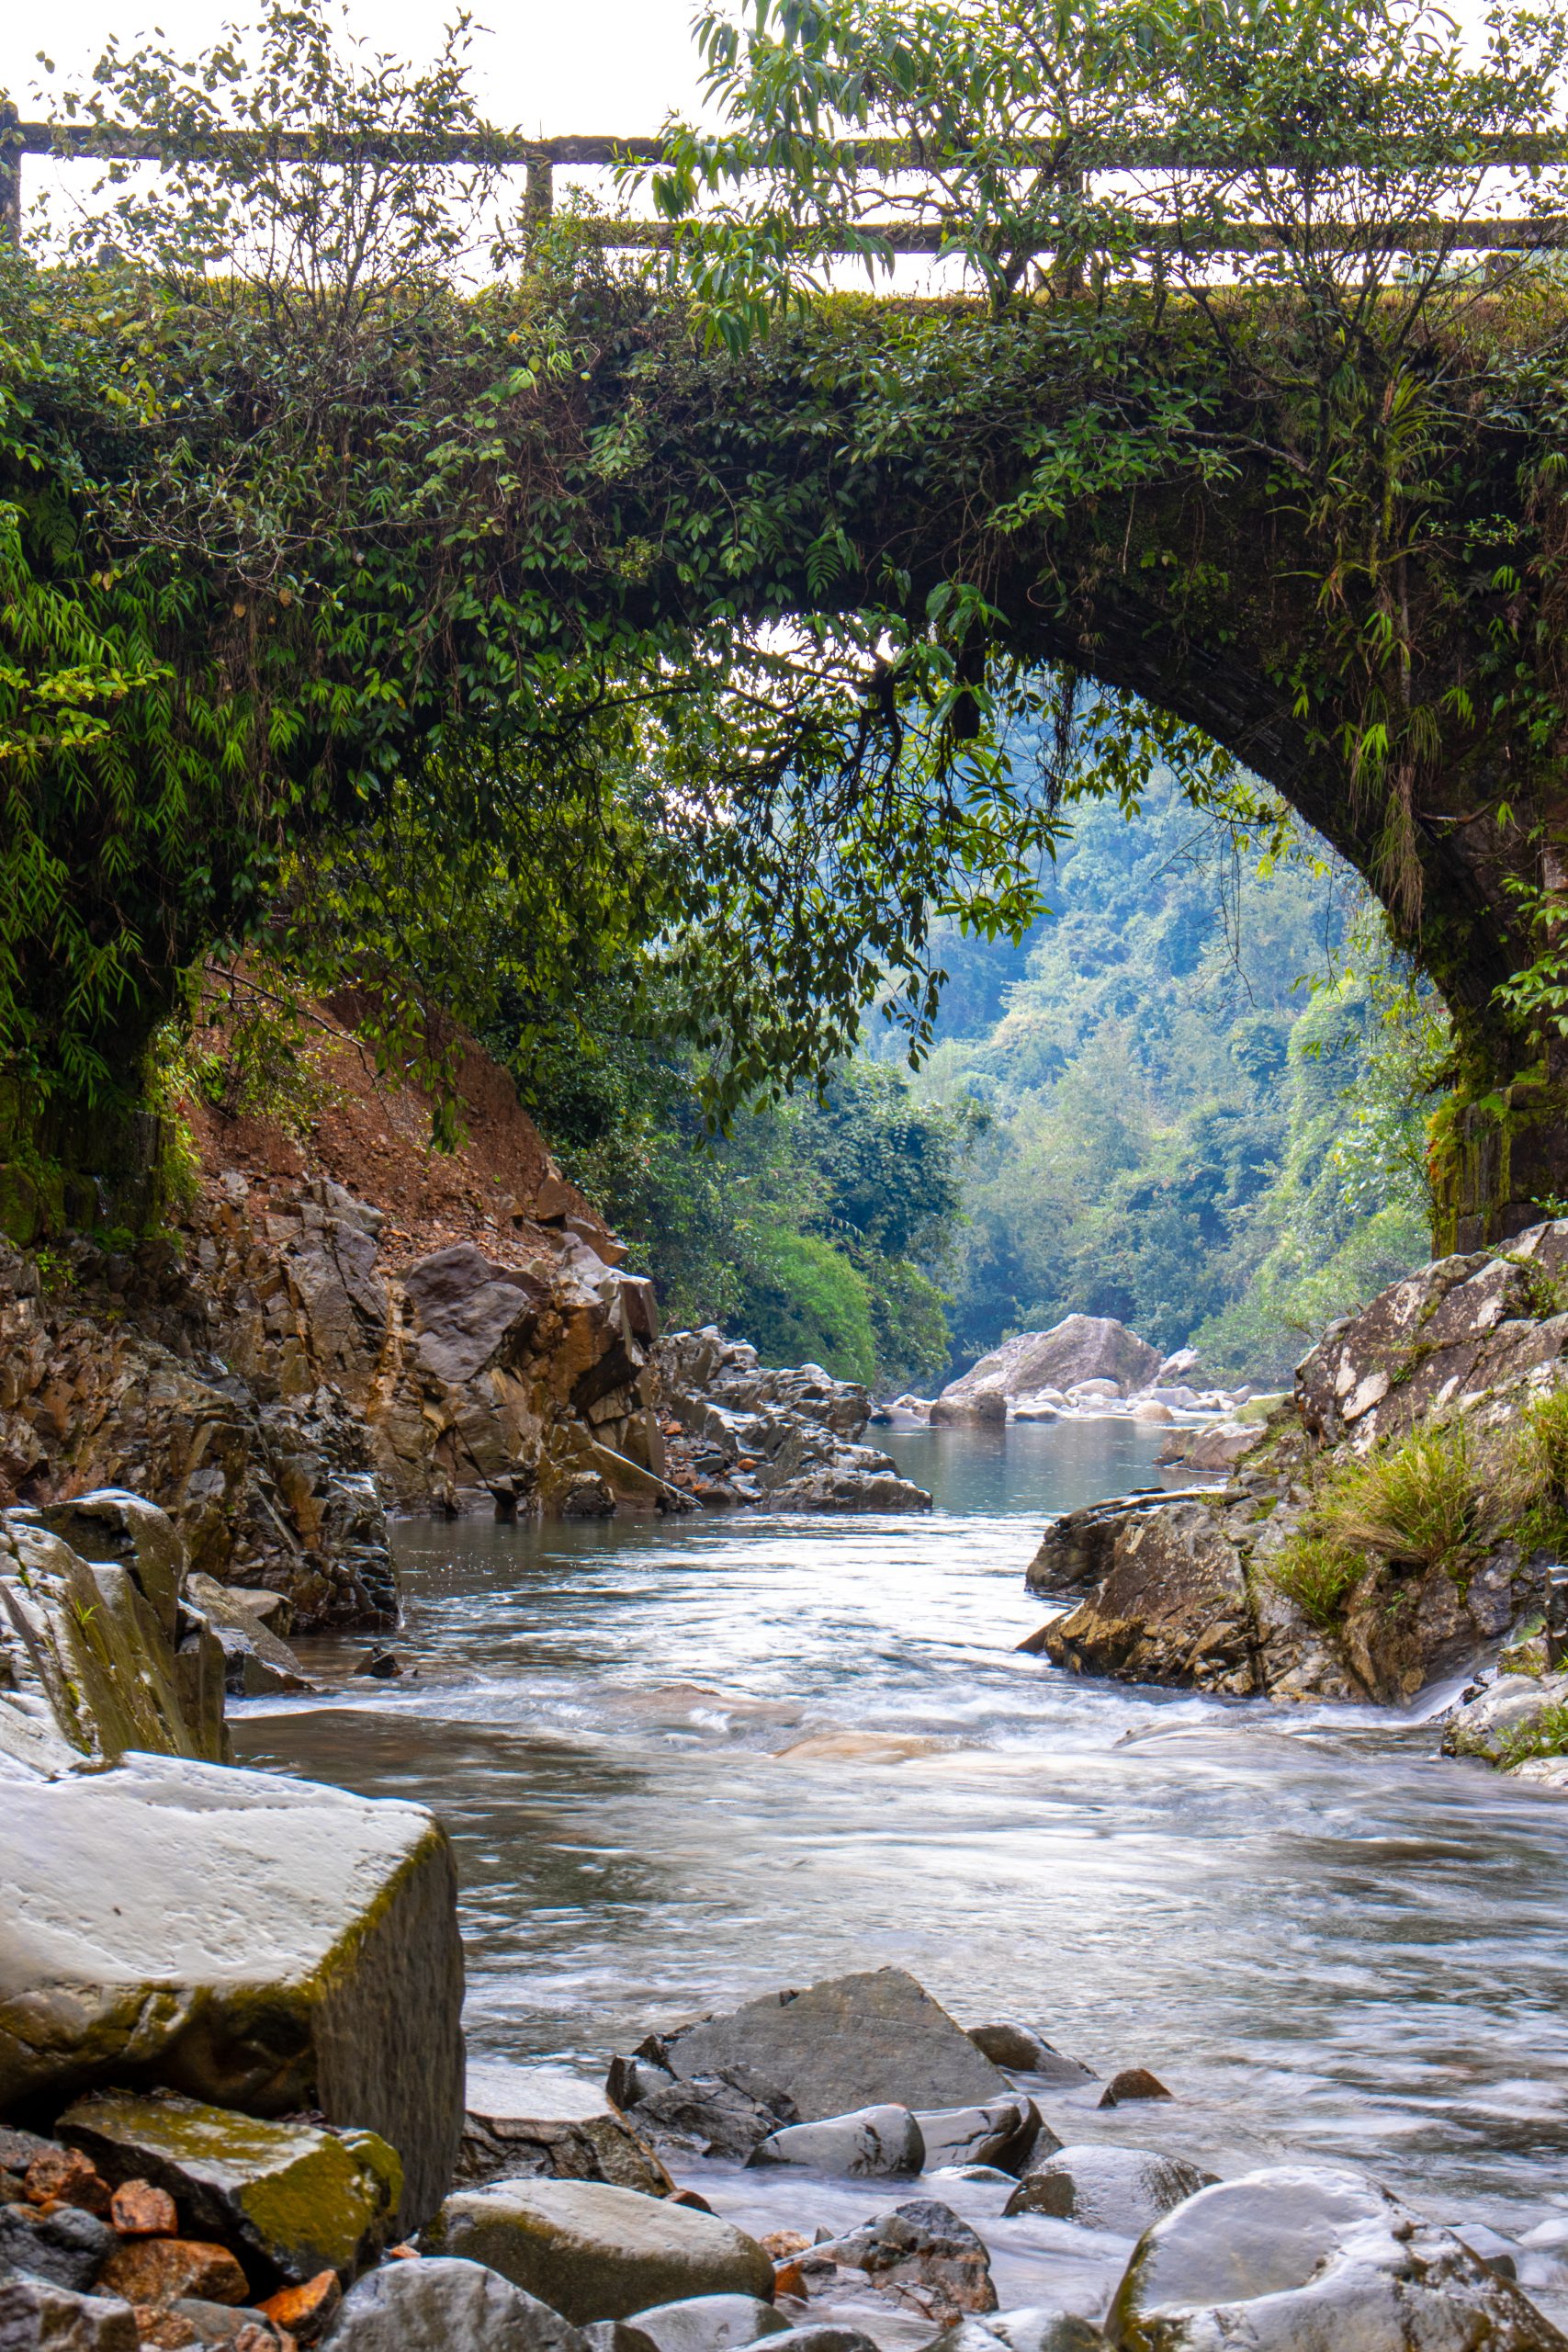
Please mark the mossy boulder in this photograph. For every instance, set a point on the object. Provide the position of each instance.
(294, 2200)
(257, 1942)
(592, 2252)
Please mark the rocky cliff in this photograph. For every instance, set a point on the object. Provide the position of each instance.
(1392, 1518)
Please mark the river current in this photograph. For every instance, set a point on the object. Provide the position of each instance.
(684, 1762)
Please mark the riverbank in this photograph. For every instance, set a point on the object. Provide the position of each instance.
(1329, 1941)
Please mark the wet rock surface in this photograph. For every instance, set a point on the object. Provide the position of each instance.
(301, 2200)
(1296, 2257)
(441, 2304)
(594, 2252)
(318, 1964)
(540, 2122)
(739, 1435)
(875, 2142)
(870, 2040)
(1115, 2189)
(922, 2254)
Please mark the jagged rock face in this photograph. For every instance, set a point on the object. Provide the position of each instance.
(98, 1654)
(286, 1388)
(739, 1432)
(1461, 1333)
(1181, 1590)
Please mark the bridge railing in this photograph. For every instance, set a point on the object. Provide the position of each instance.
(539, 160)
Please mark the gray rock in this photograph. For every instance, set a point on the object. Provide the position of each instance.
(1103, 2187)
(992, 2134)
(1081, 1348)
(726, 2113)
(114, 1527)
(36, 2316)
(318, 1963)
(615, 2336)
(304, 2200)
(1022, 2052)
(594, 2252)
(874, 2143)
(440, 2306)
(256, 1662)
(1299, 2257)
(877, 2039)
(540, 2122)
(709, 2323)
(1037, 2328)
(220, 2323)
(822, 2337)
(67, 2248)
(923, 2256)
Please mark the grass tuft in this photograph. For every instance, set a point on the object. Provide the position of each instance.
(1420, 1503)
(1317, 1575)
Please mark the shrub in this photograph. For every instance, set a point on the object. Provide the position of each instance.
(1421, 1501)
(1544, 1735)
(1316, 1573)
(804, 1301)
(1536, 1475)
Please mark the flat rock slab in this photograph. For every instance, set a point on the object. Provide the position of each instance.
(1298, 2256)
(260, 1943)
(877, 2039)
(542, 2123)
(440, 2306)
(594, 2252)
(303, 2200)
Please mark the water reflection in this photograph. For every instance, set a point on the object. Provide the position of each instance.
(1325, 1940)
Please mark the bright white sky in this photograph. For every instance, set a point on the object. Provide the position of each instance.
(547, 66)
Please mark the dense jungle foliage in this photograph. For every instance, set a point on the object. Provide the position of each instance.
(487, 622)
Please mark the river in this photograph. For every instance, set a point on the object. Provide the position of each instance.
(684, 1762)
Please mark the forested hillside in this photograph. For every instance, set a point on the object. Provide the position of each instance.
(1193, 1097)
(1205, 1089)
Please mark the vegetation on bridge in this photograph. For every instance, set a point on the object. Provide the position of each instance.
(467, 642)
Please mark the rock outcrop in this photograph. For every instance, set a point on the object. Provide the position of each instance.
(1214, 1589)
(738, 1434)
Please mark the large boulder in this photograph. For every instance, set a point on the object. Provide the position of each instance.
(258, 1942)
(540, 2122)
(1303, 2259)
(594, 2252)
(922, 2256)
(875, 2142)
(436, 2305)
(872, 2039)
(1079, 1348)
(297, 2200)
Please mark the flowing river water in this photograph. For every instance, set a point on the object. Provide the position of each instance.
(686, 1762)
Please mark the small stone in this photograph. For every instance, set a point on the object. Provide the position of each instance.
(243, 2330)
(162, 2270)
(17, 2149)
(306, 2311)
(782, 2245)
(68, 2247)
(63, 2177)
(136, 2210)
(691, 2199)
(385, 1665)
(164, 2331)
(1133, 2083)
(1018, 2047)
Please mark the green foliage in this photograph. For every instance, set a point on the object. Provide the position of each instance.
(1536, 1481)
(1317, 1574)
(806, 1302)
(1544, 1735)
(1422, 1501)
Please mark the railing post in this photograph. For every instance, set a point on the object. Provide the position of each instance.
(538, 191)
(10, 175)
